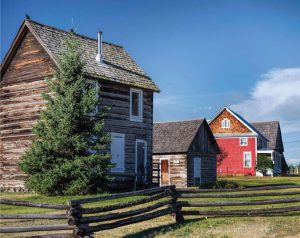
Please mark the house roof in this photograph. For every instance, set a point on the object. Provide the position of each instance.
(174, 137)
(271, 130)
(118, 66)
(242, 120)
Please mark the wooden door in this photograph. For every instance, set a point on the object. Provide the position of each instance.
(164, 171)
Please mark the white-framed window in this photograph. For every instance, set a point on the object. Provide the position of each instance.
(225, 123)
(93, 84)
(136, 105)
(247, 160)
(243, 141)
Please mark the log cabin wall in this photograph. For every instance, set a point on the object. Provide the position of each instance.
(20, 103)
(118, 121)
(208, 169)
(235, 125)
(178, 168)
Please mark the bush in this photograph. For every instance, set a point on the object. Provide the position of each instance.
(264, 163)
(226, 184)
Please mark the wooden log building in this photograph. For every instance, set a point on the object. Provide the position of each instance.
(186, 153)
(124, 86)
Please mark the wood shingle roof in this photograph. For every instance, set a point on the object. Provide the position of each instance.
(174, 137)
(118, 66)
(271, 130)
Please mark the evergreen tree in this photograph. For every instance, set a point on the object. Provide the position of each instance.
(68, 155)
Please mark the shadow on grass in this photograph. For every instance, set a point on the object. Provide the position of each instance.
(152, 232)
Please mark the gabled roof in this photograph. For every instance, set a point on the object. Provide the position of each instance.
(238, 117)
(118, 65)
(271, 130)
(174, 137)
(242, 120)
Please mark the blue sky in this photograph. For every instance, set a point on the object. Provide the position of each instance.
(203, 54)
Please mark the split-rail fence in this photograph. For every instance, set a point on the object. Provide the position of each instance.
(83, 217)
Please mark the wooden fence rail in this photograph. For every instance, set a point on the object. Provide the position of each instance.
(151, 203)
(262, 188)
(243, 212)
(237, 203)
(237, 195)
(83, 223)
(36, 216)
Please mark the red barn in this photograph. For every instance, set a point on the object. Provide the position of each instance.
(238, 142)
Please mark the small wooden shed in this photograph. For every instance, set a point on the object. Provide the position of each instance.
(185, 152)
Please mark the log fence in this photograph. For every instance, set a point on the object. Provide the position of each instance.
(162, 199)
(83, 217)
(15, 218)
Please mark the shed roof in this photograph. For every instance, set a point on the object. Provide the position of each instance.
(118, 65)
(271, 130)
(174, 137)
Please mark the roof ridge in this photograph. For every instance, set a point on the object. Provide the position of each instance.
(65, 31)
(197, 119)
(277, 121)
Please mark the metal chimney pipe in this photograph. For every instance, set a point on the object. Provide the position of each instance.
(99, 56)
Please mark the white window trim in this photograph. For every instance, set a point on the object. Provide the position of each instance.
(225, 119)
(140, 117)
(91, 81)
(160, 159)
(146, 151)
(241, 141)
(247, 152)
(123, 136)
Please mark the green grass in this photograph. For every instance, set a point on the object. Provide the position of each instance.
(276, 226)
(260, 181)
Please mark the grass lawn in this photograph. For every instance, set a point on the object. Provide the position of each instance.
(260, 181)
(276, 226)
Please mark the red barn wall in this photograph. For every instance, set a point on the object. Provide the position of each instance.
(233, 164)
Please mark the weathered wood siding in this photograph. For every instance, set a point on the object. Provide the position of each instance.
(204, 142)
(118, 120)
(20, 104)
(235, 125)
(208, 169)
(178, 168)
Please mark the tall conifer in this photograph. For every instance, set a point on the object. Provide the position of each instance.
(68, 155)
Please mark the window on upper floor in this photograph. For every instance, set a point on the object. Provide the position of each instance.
(243, 141)
(92, 84)
(247, 160)
(136, 105)
(225, 123)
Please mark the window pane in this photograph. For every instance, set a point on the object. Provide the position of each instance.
(247, 160)
(135, 104)
(243, 141)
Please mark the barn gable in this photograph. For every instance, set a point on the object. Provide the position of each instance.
(204, 141)
(238, 125)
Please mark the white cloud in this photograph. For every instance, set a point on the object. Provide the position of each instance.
(275, 97)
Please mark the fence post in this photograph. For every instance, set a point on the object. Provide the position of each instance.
(176, 208)
(74, 217)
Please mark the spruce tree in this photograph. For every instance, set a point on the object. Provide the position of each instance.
(69, 153)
